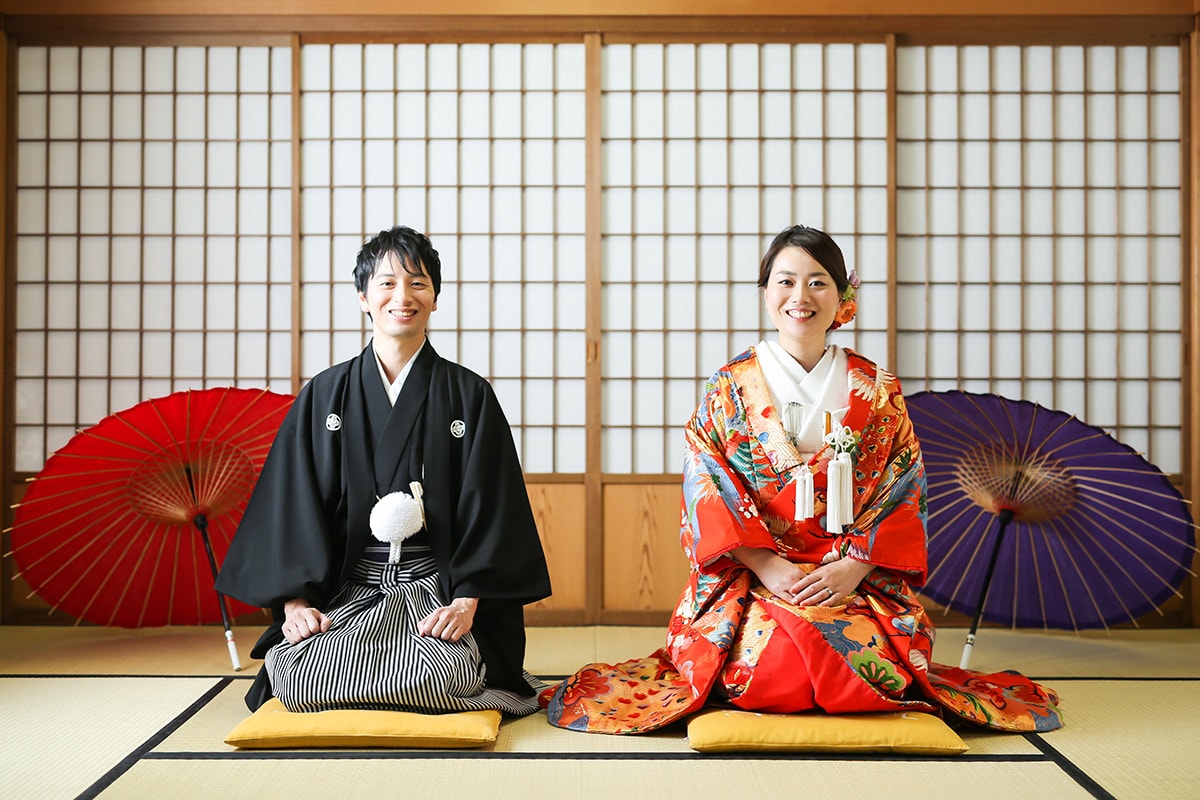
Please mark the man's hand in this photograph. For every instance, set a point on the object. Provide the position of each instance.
(451, 622)
(302, 620)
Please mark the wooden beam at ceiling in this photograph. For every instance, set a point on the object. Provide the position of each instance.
(917, 22)
(597, 8)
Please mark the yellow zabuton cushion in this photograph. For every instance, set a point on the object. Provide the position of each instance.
(273, 726)
(913, 733)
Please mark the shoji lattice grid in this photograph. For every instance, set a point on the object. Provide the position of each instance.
(709, 151)
(482, 148)
(152, 224)
(1039, 251)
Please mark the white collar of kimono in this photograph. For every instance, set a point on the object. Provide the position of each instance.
(803, 397)
(393, 388)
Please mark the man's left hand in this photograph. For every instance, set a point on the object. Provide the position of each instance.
(450, 622)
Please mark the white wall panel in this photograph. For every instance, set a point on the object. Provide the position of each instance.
(744, 140)
(1037, 211)
(132, 213)
(1067, 161)
(484, 144)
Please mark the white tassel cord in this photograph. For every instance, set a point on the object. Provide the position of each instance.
(418, 492)
(804, 494)
(848, 491)
(839, 498)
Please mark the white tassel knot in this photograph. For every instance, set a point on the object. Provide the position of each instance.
(804, 494)
(396, 517)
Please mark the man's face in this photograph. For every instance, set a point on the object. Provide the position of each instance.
(398, 301)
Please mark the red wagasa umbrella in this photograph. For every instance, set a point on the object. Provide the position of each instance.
(126, 525)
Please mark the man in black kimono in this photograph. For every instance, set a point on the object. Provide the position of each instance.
(343, 445)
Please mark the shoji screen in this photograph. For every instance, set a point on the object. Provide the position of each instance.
(152, 225)
(481, 147)
(1039, 251)
(709, 151)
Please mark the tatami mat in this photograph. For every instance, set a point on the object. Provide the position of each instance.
(112, 713)
(557, 651)
(1135, 738)
(205, 733)
(1148, 653)
(60, 735)
(54, 650)
(521, 779)
(29, 650)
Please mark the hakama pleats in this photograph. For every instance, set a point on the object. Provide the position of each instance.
(372, 656)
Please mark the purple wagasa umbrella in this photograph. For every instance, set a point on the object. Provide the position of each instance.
(1037, 519)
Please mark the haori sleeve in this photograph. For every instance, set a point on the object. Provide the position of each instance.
(720, 508)
(889, 529)
(283, 547)
(498, 553)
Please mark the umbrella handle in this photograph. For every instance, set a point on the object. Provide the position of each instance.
(966, 654)
(201, 523)
(1005, 516)
(233, 653)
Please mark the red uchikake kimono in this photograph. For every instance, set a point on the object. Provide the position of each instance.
(732, 641)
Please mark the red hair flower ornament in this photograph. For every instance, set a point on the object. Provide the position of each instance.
(848, 307)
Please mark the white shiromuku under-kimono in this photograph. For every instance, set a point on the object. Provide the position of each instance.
(804, 397)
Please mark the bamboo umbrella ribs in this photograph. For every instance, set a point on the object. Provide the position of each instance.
(126, 525)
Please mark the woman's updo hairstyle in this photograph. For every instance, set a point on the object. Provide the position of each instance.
(817, 244)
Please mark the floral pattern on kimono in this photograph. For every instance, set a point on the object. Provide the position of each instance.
(871, 653)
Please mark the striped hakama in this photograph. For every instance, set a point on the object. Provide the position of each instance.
(372, 656)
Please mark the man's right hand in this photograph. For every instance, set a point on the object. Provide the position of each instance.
(302, 620)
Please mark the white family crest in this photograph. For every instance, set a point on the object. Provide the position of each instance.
(458, 428)
(333, 422)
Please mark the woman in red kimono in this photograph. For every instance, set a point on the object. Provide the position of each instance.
(785, 610)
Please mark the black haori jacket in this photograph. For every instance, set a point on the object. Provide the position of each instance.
(342, 445)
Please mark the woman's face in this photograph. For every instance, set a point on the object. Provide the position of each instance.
(801, 296)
